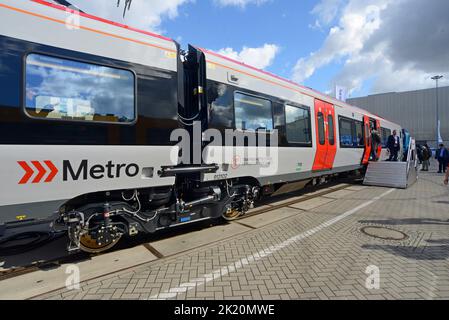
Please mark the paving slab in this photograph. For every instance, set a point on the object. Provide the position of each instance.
(340, 185)
(191, 240)
(312, 203)
(356, 188)
(264, 207)
(340, 194)
(270, 217)
(42, 281)
(319, 253)
(282, 202)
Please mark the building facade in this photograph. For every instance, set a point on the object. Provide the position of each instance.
(414, 110)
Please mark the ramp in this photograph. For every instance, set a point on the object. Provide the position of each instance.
(394, 174)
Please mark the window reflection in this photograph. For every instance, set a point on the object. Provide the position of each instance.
(221, 115)
(298, 124)
(252, 113)
(330, 121)
(321, 130)
(351, 133)
(69, 90)
(359, 140)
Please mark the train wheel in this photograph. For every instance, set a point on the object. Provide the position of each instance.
(231, 214)
(90, 245)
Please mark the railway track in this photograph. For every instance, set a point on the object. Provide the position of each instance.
(267, 205)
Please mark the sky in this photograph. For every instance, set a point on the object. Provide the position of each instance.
(367, 46)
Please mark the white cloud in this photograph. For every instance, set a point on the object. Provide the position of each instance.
(398, 44)
(143, 14)
(326, 11)
(239, 3)
(261, 57)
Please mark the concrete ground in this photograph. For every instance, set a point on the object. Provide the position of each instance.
(315, 249)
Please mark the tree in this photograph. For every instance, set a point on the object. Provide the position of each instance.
(127, 6)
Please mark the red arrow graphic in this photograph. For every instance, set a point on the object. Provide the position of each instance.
(53, 173)
(28, 172)
(41, 170)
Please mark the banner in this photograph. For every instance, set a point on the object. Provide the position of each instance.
(341, 93)
(440, 140)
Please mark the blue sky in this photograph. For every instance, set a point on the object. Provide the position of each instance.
(253, 26)
(367, 46)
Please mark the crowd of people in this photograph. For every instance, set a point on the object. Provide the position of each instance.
(441, 155)
(393, 145)
(424, 152)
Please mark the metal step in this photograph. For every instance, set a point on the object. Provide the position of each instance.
(387, 174)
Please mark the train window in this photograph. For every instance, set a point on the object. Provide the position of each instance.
(252, 113)
(298, 125)
(346, 133)
(385, 133)
(321, 131)
(358, 140)
(64, 89)
(330, 121)
(221, 114)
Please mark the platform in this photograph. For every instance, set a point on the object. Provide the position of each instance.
(320, 248)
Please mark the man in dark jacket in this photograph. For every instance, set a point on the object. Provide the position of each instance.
(442, 155)
(393, 145)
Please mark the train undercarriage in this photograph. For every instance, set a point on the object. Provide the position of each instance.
(96, 222)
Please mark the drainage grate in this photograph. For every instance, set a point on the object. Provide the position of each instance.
(384, 233)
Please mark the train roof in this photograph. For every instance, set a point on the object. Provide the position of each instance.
(51, 24)
(213, 57)
(250, 70)
(93, 17)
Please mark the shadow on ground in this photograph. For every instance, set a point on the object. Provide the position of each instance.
(437, 250)
(409, 221)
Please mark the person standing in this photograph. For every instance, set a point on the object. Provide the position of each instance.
(375, 142)
(393, 145)
(419, 151)
(442, 156)
(425, 158)
(446, 178)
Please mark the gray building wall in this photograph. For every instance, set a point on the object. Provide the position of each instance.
(413, 110)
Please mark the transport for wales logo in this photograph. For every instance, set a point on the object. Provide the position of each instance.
(39, 169)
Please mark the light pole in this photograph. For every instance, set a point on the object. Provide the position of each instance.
(436, 78)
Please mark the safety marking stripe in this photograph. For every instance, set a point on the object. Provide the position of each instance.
(86, 28)
(216, 274)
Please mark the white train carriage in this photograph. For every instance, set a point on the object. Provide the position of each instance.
(318, 135)
(88, 109)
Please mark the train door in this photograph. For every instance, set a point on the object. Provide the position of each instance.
(379, 131)
(367, 137)
(326, 137)
(369, 123)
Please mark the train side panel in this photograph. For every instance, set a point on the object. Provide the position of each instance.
(51, 156)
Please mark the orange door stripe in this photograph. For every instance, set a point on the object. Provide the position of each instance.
(86, 28)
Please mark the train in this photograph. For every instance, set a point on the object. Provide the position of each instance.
(107, 131)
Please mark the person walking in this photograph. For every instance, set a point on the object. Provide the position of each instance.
(393, 145)
(442, 155)
(425, 155)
